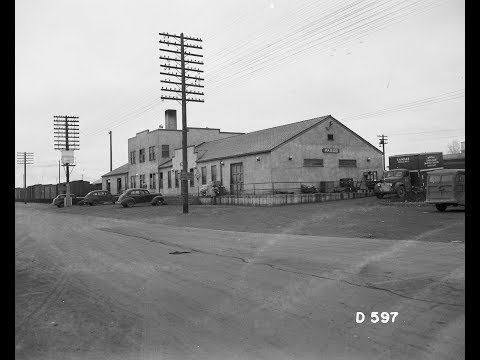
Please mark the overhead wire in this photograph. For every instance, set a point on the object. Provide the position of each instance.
(249, 70)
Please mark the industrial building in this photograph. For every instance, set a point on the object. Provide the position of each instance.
(315, 151)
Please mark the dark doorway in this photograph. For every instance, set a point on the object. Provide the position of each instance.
(119, 185)
(236, 178)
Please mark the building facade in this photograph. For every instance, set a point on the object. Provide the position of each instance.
(315, 151)
(116, 181)
(147, 150)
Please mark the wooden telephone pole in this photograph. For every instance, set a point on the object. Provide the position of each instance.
(110, 132)
(24, 158)
(383, 139)
(183, 80)
(66, 138)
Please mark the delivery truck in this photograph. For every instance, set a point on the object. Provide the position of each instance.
(407, 173)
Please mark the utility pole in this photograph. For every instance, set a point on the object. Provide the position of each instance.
(110, 132)
(24, 158)
(383, 139)
(183, 82)
(66, 140)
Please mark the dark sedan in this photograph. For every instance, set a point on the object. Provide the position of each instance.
(98, 197)
(135, 196)
(59, 201)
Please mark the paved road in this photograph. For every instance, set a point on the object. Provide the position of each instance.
(103, 288)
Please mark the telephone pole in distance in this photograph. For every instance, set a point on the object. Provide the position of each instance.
(383, 139)
(24, 158)
(66, 140)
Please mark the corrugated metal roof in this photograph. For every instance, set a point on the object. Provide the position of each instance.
(254, 142)
(120, 170)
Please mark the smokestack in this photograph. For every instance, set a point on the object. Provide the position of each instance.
(171, 119)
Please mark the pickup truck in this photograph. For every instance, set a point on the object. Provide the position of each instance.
(394, 182)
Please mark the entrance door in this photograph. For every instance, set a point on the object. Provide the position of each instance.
(236, 178)
(119, 185)
(108, 185)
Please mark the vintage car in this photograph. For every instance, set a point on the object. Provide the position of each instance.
(59, 201)
(131, 197)
(446, 188)
(98, 197)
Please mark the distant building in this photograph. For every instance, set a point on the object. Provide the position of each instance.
(115, 181)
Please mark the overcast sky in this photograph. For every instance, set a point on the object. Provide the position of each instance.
(393, 66)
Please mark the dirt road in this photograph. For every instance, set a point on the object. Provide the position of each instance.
(364, 218)
(90, 287)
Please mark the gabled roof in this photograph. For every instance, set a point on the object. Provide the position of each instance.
(254, 142)
(120, 170)
(99, 181)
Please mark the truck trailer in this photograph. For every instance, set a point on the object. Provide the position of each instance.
(407, 173)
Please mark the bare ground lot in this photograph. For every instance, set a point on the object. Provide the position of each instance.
(104, 282)
(359, 218)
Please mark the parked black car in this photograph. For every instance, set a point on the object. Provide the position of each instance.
(60, 200)
(98, 197)
(135, 196)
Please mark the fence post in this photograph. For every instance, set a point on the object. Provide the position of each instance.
(253, 188)
(273, 188)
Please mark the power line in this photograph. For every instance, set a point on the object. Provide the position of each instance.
(267, 67)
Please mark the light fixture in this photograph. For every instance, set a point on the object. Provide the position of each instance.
(222, 163)
(290, 157)
(368, 159)
(258, 158)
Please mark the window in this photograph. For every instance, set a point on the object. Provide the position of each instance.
(214, 172)
(153, 181)
(142, 181)
(165, 151)
(160, 180)
(176, 178)
(192, 182)
(312, 162)
(330, 137)
(204, 175)
(132, 157)
(141, 155)
(151, 153)
(347, 163)
(169, 178)
(133, 181)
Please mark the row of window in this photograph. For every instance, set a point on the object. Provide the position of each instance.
(341, 162)
(151, 154)
(213, 174)
(166, 153)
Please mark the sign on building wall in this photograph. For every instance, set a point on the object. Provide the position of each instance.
(331, 150)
